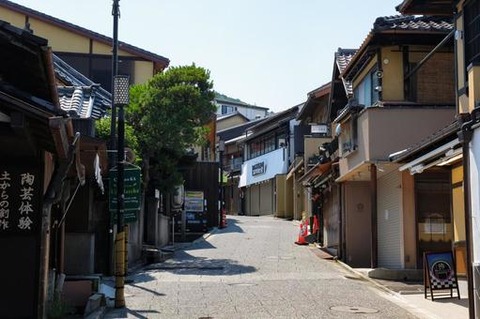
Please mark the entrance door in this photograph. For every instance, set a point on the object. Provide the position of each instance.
(433, 209)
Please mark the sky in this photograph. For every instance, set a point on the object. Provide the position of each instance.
(268, 53)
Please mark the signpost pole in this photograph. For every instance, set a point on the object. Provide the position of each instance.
(121, 98)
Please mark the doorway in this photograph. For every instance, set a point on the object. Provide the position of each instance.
(433, 201)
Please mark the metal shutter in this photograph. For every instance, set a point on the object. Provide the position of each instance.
(390, 221)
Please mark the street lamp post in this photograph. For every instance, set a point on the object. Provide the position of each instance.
(121, 98)
(116, 14)
(221, 149)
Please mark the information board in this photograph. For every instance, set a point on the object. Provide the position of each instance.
(132, 188)
(195, 215)
(21, 194)
(440, 273)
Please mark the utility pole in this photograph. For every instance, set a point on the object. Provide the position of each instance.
(120, 238)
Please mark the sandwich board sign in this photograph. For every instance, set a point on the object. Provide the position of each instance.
(439, 273)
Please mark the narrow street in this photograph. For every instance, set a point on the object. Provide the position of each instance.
(253, 269)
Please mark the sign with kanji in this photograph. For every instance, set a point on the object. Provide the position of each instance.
(132, 189)
(21, 210)
(20, 200)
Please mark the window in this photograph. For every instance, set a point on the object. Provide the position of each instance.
(266, 144)
(471, 13)
(227, 109)
(366, 92)
(348, 137)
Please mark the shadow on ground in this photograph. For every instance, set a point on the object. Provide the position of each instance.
(183, 263)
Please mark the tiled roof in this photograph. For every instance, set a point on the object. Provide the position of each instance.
(221, 98)
(342, 59)
(432, 141)
(237, 130)
(426, 7)
(413, 23)
(78, 95)
(395, 26)
(229, 115)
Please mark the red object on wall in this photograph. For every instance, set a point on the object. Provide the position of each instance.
(316, 226)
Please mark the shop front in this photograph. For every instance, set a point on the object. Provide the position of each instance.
(259, 181)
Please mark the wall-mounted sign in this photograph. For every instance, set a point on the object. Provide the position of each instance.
(132, 187)
(259, 168)
(439, 273)
(20, 199)
(319, 129)
(194, 201)
(21, 210)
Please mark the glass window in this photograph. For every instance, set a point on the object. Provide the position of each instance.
(472, 31)
(366, 92)
(227, 109)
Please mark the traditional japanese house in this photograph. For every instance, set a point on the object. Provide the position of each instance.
(402, 78)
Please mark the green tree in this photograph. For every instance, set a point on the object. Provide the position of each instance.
(102, 130)
(168, 114)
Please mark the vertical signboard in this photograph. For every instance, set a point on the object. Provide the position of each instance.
(132, 184)
(21, 189)
(195, 217)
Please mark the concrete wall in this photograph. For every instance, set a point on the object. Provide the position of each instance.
(383, 131)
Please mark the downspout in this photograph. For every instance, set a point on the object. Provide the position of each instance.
(465, 136)
(406, 71)
(379, 74)
(373, 194)
(341, 240)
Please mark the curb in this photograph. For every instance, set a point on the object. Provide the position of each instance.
(366, 278)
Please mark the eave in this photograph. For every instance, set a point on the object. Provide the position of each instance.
(427, 7)
(160, 62)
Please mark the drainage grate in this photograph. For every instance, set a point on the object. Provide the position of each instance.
(351, 309)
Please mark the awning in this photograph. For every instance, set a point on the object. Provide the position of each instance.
(321, 180)
(315, 171)
(293, 170)
(442, 155)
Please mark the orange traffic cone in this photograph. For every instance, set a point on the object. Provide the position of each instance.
(223, 223)
(302, 234)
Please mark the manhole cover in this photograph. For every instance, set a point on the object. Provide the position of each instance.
(351, 309)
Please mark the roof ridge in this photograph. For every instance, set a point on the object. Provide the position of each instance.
(103, 38)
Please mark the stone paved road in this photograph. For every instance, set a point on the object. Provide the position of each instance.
(253, 269)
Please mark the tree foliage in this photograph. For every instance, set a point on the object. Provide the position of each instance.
(168, 114)
(102, 130)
